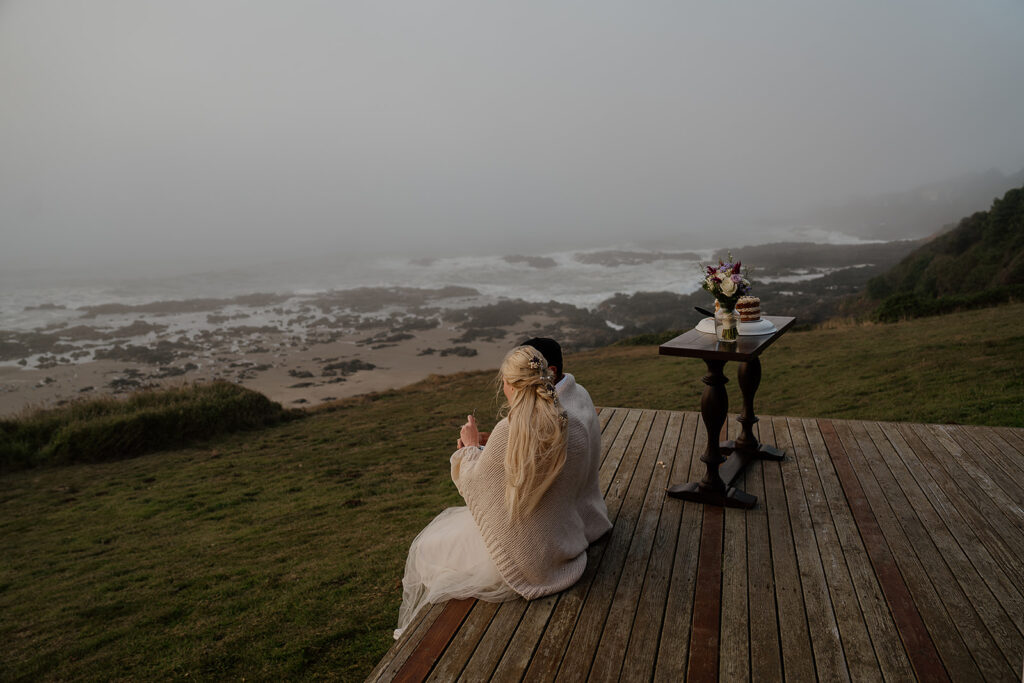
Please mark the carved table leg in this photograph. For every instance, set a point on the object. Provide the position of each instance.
(714, 408)
(746, 448)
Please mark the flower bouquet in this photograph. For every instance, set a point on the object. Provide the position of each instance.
(727, 285)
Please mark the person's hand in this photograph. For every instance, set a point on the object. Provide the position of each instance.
(468, 435)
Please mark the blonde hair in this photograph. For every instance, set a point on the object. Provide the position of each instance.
(537, 429)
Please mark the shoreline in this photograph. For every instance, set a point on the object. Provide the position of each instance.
(302, 348)
(303, 376)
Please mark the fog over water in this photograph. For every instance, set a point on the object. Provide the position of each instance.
(156, 138)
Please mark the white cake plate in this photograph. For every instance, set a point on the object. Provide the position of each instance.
(762, 326)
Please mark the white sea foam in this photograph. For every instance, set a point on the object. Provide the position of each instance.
(569, 281)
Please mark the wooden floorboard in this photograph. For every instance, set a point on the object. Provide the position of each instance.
(615, 636)
(676, 457)
(674, 644)
(795, 639)
(875, 552)
(1005, 446)
(644, 447)
(765, 653)
(734, 626)
(860, 659)
(871, 565)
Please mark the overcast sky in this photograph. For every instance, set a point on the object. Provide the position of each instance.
(209, 130)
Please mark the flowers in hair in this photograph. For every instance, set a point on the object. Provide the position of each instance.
(536, 363)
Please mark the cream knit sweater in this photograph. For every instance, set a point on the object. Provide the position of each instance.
(545, 552)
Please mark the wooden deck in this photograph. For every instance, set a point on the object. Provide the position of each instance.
(876, 551)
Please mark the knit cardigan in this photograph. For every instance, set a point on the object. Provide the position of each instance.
(546, 550)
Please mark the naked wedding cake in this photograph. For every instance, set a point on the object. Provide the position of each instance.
(749, 309)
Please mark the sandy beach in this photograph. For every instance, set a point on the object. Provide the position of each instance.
(295, 374)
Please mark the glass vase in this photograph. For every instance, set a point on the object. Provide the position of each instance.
(726, 324)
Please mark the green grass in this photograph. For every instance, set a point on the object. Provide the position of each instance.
(278, 553)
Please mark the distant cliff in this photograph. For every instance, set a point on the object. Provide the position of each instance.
(979, 262)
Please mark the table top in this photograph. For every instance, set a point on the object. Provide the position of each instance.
(694, 344)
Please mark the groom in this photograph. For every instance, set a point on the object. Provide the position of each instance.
(577, 404)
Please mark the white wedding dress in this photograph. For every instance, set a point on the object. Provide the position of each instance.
(447, 560)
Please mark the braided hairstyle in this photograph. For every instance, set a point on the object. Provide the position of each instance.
(538, 429)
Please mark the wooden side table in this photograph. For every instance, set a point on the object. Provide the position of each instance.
(716, 487)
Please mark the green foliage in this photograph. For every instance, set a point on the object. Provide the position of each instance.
(912, 305)
(978, 263)
(112, 429)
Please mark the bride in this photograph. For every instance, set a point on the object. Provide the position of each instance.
(532, 502)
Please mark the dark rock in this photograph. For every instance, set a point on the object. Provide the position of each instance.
(161, 354)
(532, 261)
(46, 307)
(348, 367)
(459, 351)
(485, 333)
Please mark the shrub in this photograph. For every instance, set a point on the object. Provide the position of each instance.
(111, 429)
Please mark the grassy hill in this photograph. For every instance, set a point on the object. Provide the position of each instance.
(978, 263)
(278, 553)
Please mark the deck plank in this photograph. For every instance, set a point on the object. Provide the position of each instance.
(520, 649)
(650, 614)
(434, 641)
(1003, 444)
(1013, 437)
(857, 528)
(674, 646)
(395, 659)
(973, 484)
(618, 450)
(941, 518)
(734, 631)
(765, 646)
(978, 457)
(491, 647)
(858, 651)
(615, 637)
(829, 662)
(870, 640)
(455, 658)
(797, 659)
(579, 655)
(610, 430)
(914, 552)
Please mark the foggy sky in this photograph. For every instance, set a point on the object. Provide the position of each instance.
(207, 131)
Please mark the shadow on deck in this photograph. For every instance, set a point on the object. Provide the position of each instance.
(876, 551)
